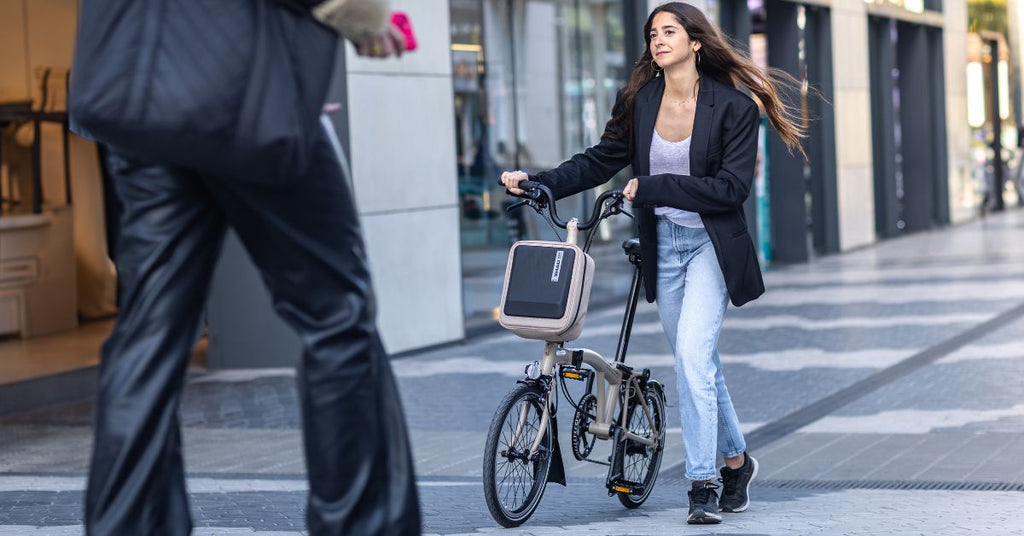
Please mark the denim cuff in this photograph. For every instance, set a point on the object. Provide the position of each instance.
(733, 455)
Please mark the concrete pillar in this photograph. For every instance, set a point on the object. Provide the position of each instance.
(402, 140)
(852, 105)
(963, 198)
(399, 136)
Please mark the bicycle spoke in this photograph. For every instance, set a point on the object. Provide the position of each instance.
(514, 481)
(637, 464)
(516, 476)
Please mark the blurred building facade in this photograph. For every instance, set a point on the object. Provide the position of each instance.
(912, 108)
(886, 100)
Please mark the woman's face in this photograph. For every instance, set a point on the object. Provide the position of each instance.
(670, 44)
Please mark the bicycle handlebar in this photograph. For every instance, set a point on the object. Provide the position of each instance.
(540, 196)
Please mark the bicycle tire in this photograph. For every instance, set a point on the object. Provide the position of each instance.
(643, 463)
(505, 478)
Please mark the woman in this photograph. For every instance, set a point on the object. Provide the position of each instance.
(691, 138)
(302, 235)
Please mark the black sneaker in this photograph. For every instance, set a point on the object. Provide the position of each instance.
(703, 504)
(736, 485)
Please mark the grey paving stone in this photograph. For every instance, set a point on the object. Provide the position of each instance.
(248, 430)
(878, 451)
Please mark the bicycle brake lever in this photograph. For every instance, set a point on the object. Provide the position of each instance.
(614, 207)
(516, 205)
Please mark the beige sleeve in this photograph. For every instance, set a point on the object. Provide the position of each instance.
(355, 20)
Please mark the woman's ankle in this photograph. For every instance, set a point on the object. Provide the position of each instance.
(737, 461)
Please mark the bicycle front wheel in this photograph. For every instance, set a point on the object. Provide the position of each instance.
(515, 478)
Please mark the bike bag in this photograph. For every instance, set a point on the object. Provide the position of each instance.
(546, 290)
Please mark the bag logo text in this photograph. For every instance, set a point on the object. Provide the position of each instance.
(556, 271)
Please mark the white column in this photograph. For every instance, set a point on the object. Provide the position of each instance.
(402, 140)
(852, 105)
(963, 189)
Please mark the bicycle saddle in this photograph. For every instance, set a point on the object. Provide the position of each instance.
(631, 246)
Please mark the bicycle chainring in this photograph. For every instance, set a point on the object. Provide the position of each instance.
(582, 440)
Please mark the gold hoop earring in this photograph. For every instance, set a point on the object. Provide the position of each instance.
(654, 66)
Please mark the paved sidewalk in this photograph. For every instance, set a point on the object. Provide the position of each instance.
(882, 390)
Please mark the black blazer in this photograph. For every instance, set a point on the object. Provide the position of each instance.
(723, 153)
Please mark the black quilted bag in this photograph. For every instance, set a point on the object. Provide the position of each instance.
(231, 88)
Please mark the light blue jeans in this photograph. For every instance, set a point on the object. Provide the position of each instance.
(692, 298)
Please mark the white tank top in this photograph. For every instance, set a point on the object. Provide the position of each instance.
(673, 157)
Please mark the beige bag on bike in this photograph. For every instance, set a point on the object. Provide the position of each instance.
(546, 290)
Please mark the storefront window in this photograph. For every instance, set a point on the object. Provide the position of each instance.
(534, 83)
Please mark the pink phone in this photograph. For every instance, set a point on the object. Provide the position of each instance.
(401, 21)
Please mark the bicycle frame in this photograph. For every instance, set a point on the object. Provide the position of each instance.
(621, 404)
(610, 376)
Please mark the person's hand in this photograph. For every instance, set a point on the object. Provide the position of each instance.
(629, 191)
(511, 180)
(383, 44)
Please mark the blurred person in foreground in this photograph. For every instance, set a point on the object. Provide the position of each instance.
(691, 137)
(304, 237)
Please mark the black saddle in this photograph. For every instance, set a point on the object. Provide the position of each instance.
(631, 246)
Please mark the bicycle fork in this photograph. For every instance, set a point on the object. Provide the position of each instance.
(557, 472)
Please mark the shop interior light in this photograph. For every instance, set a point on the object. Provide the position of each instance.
(975, 95)
(466, 47)
(915, 6)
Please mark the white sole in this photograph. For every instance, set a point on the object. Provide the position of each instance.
(706, 519)
(752, 477)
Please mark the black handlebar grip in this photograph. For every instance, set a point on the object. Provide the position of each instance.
(524, 185)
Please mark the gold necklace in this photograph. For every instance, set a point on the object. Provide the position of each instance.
(691, 98)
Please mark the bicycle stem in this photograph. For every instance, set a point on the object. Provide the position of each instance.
(572, 231)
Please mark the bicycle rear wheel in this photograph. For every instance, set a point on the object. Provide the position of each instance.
(514, 481)
(641, 463)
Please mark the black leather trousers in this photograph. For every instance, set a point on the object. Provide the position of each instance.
(305, 240)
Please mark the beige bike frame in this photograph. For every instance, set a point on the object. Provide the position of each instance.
(609, 379)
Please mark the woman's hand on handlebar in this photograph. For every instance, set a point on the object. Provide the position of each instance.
(511, 180)
(629, 191)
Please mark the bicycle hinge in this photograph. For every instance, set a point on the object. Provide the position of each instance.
(573, 231)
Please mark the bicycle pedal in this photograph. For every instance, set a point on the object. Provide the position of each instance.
(629, 488)
(574, 374)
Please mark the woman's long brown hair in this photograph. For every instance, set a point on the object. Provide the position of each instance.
(719, 60)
